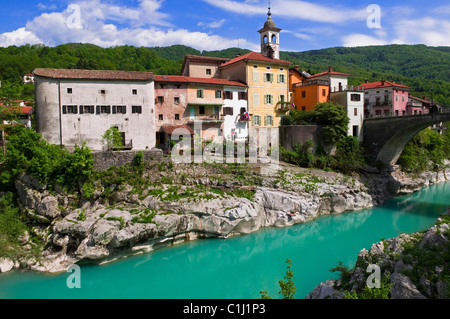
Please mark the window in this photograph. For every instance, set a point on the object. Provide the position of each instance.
(274, 38)
(255, 66)
(70, 109)
(255, 76)
(103, 92)
(303, 108)
(268, 99)
(242, 95)
(160, 99)
(177, 117)
(228, 111)
(324, 92)
(281, 78)
(268, 67)
(396, 97)
(201, 110)
(87, 109)
(403, 98)
(355, 97)
(256, 120)
(255, 99)
(377, 101)
(105, 109)
(160, 117)
(268, 120)
(69, 90)
(355, 130)
(136, 109)
(176, 100)
(200, 93)
(355, 111)
(119, 109)
(218, 94)
(228, 95)
(268, 77)
(134, 91)
(208, 71)
(281, 98)
(303, 93)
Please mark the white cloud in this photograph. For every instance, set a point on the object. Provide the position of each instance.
(18, 37)
(212, 25)
(294, 9)
(108, 25)
(357, 40)
(427, 30)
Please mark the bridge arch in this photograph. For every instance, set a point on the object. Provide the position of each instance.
(385, 138)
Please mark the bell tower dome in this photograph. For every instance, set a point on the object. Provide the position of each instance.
(270, 38)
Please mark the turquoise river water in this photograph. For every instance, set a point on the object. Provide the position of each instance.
(240, 267)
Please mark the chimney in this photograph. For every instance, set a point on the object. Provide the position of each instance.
(383, 82)
(296, 67)
(330, 69)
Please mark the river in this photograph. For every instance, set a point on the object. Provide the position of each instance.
(240, 267)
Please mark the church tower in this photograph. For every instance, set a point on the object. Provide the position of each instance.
(270, 38)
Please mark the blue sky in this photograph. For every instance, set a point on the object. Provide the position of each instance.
(220, 24)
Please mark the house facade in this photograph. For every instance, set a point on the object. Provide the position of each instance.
(77, 106)
(353, 102)
(384, 98)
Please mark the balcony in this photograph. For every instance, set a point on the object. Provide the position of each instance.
(207, 118)
(283, 106)
(307, 83)
(243, 118)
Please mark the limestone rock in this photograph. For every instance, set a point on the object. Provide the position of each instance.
(404, 288)
(6, 265)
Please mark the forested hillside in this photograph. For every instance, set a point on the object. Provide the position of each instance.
(423, 68)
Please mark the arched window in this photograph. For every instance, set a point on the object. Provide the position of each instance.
(265, 39)
(274, 38)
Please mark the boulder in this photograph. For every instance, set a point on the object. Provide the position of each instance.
(404, 288)
(6, 265)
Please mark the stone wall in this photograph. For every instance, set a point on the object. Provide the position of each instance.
(104, 160)
(295, 134)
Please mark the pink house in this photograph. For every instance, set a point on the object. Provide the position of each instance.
(384, 98)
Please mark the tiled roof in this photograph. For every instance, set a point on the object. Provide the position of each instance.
(254, 56)
(168, 129)
(329, 73)
(190, 80)
(381, 84)
(94, 74)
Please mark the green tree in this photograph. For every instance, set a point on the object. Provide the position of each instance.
(287, 286)
(112, 139)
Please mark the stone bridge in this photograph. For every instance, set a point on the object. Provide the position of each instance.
(385, 138)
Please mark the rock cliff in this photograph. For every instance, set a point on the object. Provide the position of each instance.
(188, 203)
(412, 266)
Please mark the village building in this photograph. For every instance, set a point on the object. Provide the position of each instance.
(78, 106)
(418, 106)
(213, 107)
(384, 98)
(201, 66)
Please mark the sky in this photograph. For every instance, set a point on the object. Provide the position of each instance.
(220, 24)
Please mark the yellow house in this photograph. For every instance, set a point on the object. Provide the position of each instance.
(266, 76)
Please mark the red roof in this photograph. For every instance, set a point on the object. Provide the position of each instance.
(254, 56)
(381, 84)
(93, 74)
(330, 72)
(26, 110)
(190, 80)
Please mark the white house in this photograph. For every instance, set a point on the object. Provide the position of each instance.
(236, 117)
(353, 102)
(77, 106)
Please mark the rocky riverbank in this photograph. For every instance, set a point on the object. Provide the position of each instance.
(171, 204)
(412, 266)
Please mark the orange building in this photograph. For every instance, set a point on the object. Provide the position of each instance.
(307, 94)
